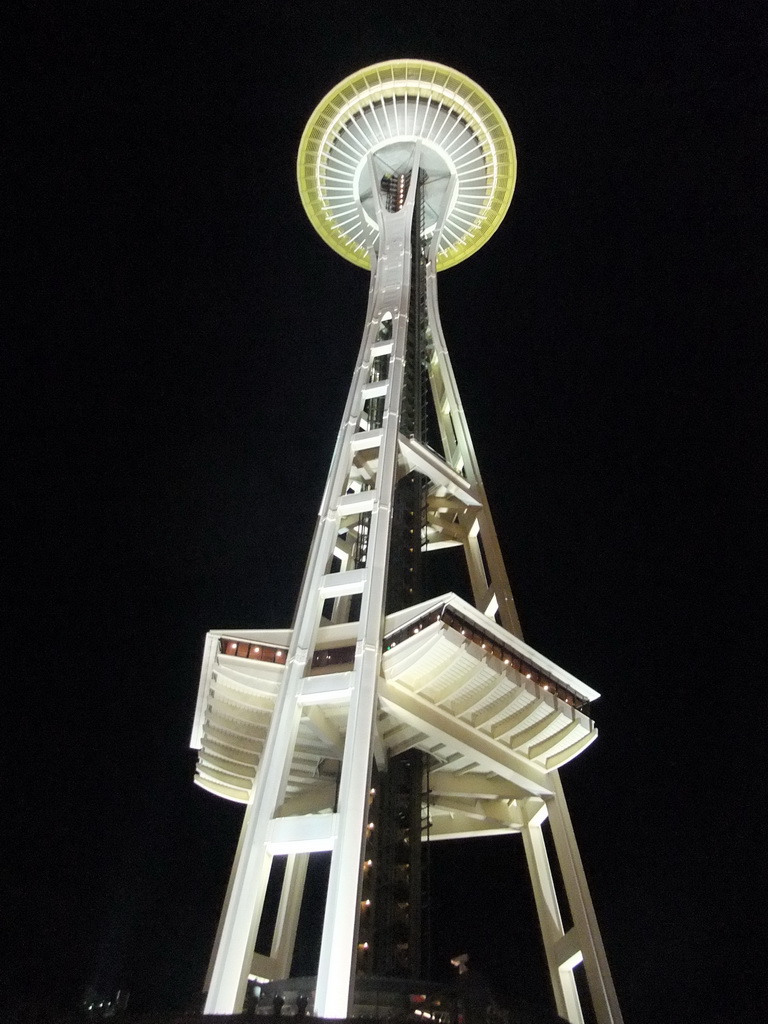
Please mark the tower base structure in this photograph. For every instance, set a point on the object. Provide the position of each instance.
(497, 719)
(406, 167)
(464, 1001)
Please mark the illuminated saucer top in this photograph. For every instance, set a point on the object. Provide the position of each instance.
(384, 109)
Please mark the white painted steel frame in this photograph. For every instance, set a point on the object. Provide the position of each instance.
(490, 587)
(459, 513)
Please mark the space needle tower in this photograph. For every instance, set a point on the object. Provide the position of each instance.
(395, 713)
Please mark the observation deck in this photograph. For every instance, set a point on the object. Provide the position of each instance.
(380, 112)
(494, 715)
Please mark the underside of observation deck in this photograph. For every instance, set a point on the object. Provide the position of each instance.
(493, 715)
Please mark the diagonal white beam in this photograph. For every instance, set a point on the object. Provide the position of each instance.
(423, 459)
(444, 783)
(446, 728)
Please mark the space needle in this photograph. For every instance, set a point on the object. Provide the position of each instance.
(388, 716)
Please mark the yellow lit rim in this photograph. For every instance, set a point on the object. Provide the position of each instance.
(398, 78)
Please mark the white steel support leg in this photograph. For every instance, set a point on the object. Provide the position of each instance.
(477, 576)
(223, 914)
(286, 926)
(460, 451)
(339, 940)
(551, 924)
(238, 930)
(598, 973)
(250, 875)
(338, 950)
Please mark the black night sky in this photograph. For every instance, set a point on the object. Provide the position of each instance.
(175, 381)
